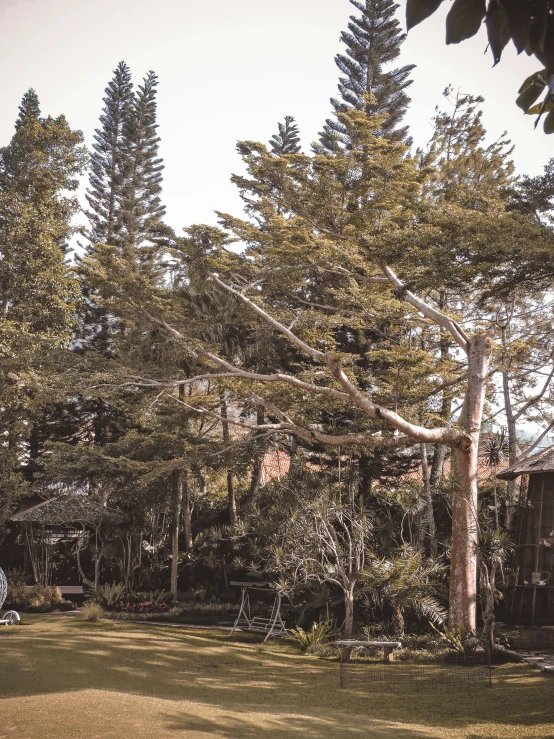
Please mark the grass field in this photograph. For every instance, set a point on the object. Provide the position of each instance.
(62, 677)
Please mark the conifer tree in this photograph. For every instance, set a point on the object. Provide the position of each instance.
(373, 40)
(106, 177)
(142, 168)
(29, 107)
(287, 141)
(37, 291)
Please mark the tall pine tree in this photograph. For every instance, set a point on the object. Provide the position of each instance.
(373, 41)
(287, 141)
(29, 108)
(106, 177)
(141, 205)
(39, 169)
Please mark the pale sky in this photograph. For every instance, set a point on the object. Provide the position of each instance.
(229, 70)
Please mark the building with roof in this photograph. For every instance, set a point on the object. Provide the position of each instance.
(532, 598)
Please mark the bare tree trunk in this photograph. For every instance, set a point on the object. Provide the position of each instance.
(512, 439)
(175, 528)
(232, 502)
(398, 621)
(187, 512)
(348, 618)
(97, 558)
(231, 498)
(364, 480)
(259, 452)
(429, 514)
(439, 456)
(487, 599)
(437, 467)
(78, 548)
(293, 465)
(463, 565)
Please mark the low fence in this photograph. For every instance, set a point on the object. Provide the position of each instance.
(463, 671)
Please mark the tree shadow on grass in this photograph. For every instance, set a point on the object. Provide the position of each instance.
(283, 725)
(289, 694)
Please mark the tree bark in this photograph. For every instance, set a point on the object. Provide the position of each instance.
(175, 528)
(364, 480)
(98, 555)
(512, 438)
(429, 514)
(232, 502)
(348, 618)
(259, 452)
(187, 510)
(398, 621)
(293, 465)
(439, 456)
(437, 466)
(463, 565)
(487, 599)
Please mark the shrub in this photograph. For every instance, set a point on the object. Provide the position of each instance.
(323, 650)
(155, 596)
(120, 615)
(146, 606)
(38, 598)
(190, 612)
(320, 633)
(91, 611)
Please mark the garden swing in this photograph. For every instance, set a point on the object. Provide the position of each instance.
(272, 626)
(10, 618)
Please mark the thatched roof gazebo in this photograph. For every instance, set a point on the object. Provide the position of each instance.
(70, 510)
(532, 600)
(73, 517)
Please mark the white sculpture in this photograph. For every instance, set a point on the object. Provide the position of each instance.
(10, 618)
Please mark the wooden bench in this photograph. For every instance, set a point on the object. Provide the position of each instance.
(388, 647)
(71, 590)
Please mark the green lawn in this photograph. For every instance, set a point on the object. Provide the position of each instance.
(61, 677)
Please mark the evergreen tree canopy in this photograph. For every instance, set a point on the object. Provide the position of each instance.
(29, 107)
(466, 169)
(141, 205)
(287, 141)
(106, 176)
(373, 41)
(37, 291)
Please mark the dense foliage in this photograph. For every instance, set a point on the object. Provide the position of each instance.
(299, 394)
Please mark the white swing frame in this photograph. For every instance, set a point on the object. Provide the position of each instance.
(272, 626)
(10, 618)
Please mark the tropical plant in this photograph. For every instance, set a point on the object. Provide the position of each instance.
(321, 632)
(109, 595)
(406, 581)
(457, 639)
(495, 451)
(493, 551)
(154, 596)
(527, 24)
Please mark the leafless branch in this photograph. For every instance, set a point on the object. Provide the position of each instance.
(453, 327)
